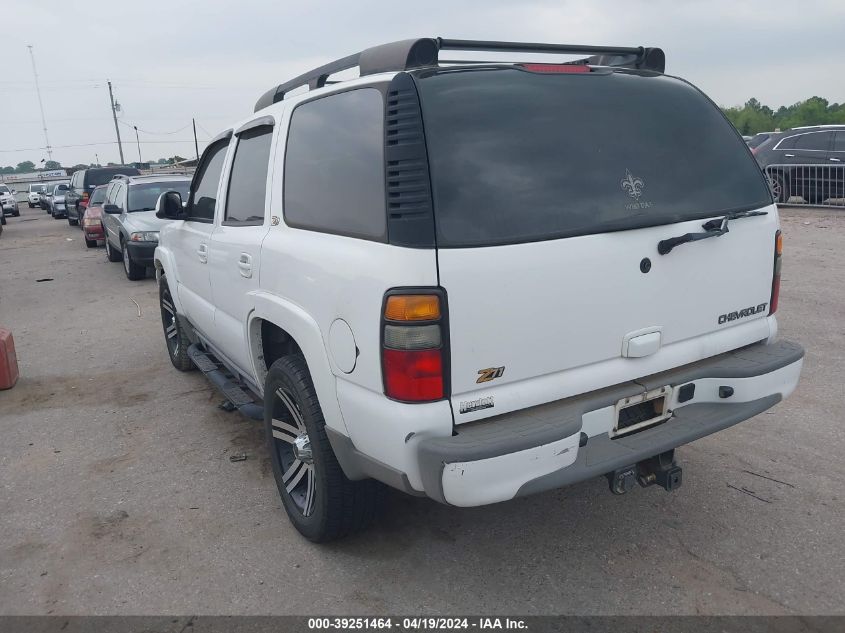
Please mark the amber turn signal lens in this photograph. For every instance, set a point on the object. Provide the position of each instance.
(412, 308)
(779, 243)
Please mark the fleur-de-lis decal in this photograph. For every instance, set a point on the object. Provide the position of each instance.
(631, 184)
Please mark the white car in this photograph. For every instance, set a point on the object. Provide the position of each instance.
(8, 203)
(479, 281)
(34, 195)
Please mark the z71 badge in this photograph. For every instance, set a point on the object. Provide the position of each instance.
(486, 375)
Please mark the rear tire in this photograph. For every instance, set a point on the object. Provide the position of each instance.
(133, 271)
(72, 222)
(320, 501)
(90, 243)
(779, 184)
(113, 255)
(175, 339)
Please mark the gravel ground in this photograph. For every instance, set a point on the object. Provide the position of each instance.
(118, 495)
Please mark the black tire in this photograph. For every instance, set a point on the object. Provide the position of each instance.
(322, 503)
(31, 206)
(175, 339)
(17, 214)
(133, 271)
(90, 243)
(111, 254)
(781, 190)
(71, 221)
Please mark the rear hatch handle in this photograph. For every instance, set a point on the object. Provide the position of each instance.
(712, 228)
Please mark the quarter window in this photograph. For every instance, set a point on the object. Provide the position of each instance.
(839, 142)
(203, 199)
(334, 168)
(248, 180)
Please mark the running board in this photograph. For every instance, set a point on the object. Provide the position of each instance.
(226, 384)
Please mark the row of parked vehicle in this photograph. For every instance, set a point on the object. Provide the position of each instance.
(114, 206)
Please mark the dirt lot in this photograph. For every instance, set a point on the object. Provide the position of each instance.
(118, 495)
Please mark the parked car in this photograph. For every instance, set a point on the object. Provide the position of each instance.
(45, 199)
(83, 182)
(56, 200)
(92, 217)
(130, 222)
(8, 202)
(33, 196)
(813, 160)
(563, 315)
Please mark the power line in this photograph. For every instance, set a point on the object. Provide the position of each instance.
(185, 127)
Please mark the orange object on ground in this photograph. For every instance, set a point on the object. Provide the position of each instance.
(8, 360)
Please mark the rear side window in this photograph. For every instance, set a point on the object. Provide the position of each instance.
(204, 188)
(839, 142)
(818, 141)
(517, 156)
(248, 179)
(758, 140)
(334, 166)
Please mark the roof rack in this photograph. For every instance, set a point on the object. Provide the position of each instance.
(418, 53)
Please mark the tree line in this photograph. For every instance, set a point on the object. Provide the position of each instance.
(27, 166)
(754, 117)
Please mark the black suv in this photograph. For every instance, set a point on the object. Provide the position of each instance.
(805, 161)
(84, 181)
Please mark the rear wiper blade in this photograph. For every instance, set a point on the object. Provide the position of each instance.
(712, 228)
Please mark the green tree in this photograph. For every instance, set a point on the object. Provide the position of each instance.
(25, 166)
(754, 117)
(52, 164)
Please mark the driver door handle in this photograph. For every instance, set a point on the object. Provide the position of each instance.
(245, 265)
(835, 160)
(202, 253)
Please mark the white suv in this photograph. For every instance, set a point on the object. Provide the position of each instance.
(476, 281)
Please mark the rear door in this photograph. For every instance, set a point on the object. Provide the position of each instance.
(235, 250)
(551, 193)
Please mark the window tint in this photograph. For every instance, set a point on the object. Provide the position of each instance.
(143, 197)
(839, 142)
(517, 156)
(758, 140)
(334, 168)
(104, 175)
(98, 196)
(786, 143)
(248, 180)
(814, 140)
(204, 191)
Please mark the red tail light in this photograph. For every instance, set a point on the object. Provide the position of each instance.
(414, 345)
(556, 68)
(773, 303)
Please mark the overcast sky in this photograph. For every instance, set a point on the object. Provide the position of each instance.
(211, 59)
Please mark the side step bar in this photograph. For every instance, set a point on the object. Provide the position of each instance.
(220, 378)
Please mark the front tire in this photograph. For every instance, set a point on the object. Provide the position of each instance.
(780, 186)
(113, 255)
(174, 335)
(320, 501)
(133, 271)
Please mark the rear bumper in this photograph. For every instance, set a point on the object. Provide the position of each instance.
(539, 449)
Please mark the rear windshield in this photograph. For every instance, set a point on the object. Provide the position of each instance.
(97, 177)
(36, 188)
(98, 196)
(758, 140)
(517, 156)
(143, 197)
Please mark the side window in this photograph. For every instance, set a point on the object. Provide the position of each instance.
(786, 143)
(203, 198)
(334, 165)
(117, 192)
(248, 180)
(814, 141)
(839, 142)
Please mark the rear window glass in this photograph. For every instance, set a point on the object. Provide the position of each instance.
(102, 176)
(143, 197)
(758, 140)
(517, 156)
(98, 196)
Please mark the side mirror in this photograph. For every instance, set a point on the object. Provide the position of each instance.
(14, 190)
(169, 206)
(111, 209)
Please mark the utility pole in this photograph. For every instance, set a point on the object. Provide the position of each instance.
(139, 143)
(196, 145)
(116, 129)
(40, 103)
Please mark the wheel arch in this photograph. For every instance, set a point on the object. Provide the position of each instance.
(165, 267)
(277, 327)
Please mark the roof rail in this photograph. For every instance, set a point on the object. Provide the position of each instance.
(418, 53)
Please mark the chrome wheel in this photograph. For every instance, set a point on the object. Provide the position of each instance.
(293, 449)
(125, 254)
